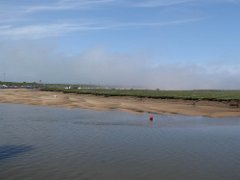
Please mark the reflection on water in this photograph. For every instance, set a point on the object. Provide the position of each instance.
(54, 143)
(9, 151)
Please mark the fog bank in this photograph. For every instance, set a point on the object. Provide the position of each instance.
(31, 61)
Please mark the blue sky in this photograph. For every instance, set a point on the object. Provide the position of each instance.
(183, 44)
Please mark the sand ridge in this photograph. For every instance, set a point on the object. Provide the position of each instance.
(130, 104)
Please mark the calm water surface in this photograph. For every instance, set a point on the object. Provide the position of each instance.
(54, 143)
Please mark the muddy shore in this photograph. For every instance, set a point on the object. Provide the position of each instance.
(130, 104)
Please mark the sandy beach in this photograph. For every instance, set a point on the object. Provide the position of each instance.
(130, 104)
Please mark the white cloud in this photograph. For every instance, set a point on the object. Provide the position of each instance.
(68, 5)
(159, 3)
(129, 25)
(88, 4)
(42, 31)
(21, 20)
(28, 61)
(53, 30)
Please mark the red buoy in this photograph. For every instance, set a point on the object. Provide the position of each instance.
(151, 118)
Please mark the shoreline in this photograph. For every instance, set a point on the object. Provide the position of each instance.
(126, 103)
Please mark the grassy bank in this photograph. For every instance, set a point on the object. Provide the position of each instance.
(19, 84)
(211, 95)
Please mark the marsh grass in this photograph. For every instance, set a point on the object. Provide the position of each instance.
(211, 95)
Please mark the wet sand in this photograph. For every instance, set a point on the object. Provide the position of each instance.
(130, 104)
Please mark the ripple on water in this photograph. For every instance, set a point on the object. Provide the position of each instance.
(10, 151)
(54, 143)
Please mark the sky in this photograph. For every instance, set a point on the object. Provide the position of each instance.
(165, 44)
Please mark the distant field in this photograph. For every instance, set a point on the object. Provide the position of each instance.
(211, 95)
(19, 84)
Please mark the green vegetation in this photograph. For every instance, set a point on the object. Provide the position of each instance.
(211, 95)
(21, 84)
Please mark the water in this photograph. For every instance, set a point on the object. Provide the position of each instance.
(55, 143)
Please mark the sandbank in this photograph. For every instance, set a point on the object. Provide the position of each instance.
(130, 104)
